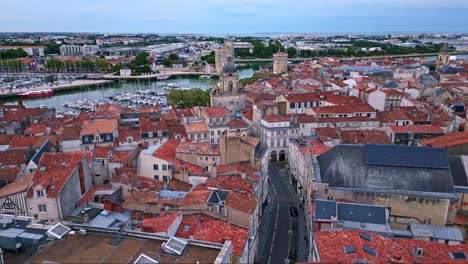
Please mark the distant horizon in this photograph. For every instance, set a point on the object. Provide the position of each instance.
(237, 17)
(376, 33)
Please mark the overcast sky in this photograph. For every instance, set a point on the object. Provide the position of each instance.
(234, 16)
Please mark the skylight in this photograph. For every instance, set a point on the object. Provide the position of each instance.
(58, 231)
(349, 249)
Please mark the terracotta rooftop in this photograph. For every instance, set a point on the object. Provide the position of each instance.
(417, 129)
(102, 152)
(196, 127)
(216, 112)
(331, 246)
(5, 139)
(167, 151)
(72, 132)
(148, 125)
(330, 97)
(136, 181)
(195, 197)
(243, 202)
(14, 157)
(249, 116)
(35, 129)
(23, 142)
(207, 228)
(91, 127)
(192, 168)
(158, 224)
(121, 156)
(54, 169)
(318, 149)
(448, 140)
(89, 196)
(21, 185)
(236, 123)
(275, 118)
(198, 148)
(327, 133)
(238, 168)
(393, 92)
(390, 116)
(125, 132)
(344, 109)
(179, 113)
(176, 185)
(231, 183)
(364, 137)
(10, 174)
(107, 111)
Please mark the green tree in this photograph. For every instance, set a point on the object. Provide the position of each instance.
(52, 48)
(188, 98)
(54, 64)
(141, 58)
(292, 52)
(167, 62)
(116, 68)
(173, 57)
(13, 54)
(102, 64)
(210, 59)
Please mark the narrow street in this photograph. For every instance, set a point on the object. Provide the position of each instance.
(281, 235)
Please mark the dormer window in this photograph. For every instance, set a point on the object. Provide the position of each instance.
(40, 193)
(97, 138)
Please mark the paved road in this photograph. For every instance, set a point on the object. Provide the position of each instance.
(279, 232)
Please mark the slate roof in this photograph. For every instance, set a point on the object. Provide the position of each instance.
(362, 213)
(415, 171)
(458, 171)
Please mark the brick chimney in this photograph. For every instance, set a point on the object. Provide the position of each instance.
(214, 171)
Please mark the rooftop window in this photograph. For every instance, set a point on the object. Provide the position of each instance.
(365, 236)
(349, 249)
(369, 250)
(458, 255)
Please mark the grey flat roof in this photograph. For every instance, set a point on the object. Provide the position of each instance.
(362, 213)
(439, 232)
(345, 167)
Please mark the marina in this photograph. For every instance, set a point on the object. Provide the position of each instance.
(147, 88)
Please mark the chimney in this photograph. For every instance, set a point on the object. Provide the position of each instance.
(243, 174)
(396, 259)
(214, 171)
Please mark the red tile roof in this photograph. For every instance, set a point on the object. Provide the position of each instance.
(168, 150)
(238, 168)
(179, 113)
(344, 109)
(158, 224)
(364, 137)
(236, 123)
(102, 152)
(5, 139)
(121, 156)
(90, 195)
(192, 168)
(71, 133)
(91, 127)
(331, 244)
(198, 148)
(330, 97)
(448, 140)
(23, 142)
(417, 129)
(207, 228)
(176, 185)
(243, 202)
(391, 116)
(231, 183)
(196, 127)
(136, 181)
(275, 118)
(58, 169)
(195, 197)
(148, 125)
(21, 185)
(318, 149)
(13, 157)
(327, 133)
(35, 129)
(107, 111)
(216, 112)
(9, 174)
(249, 116)
(394, 92)
(125, 132)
